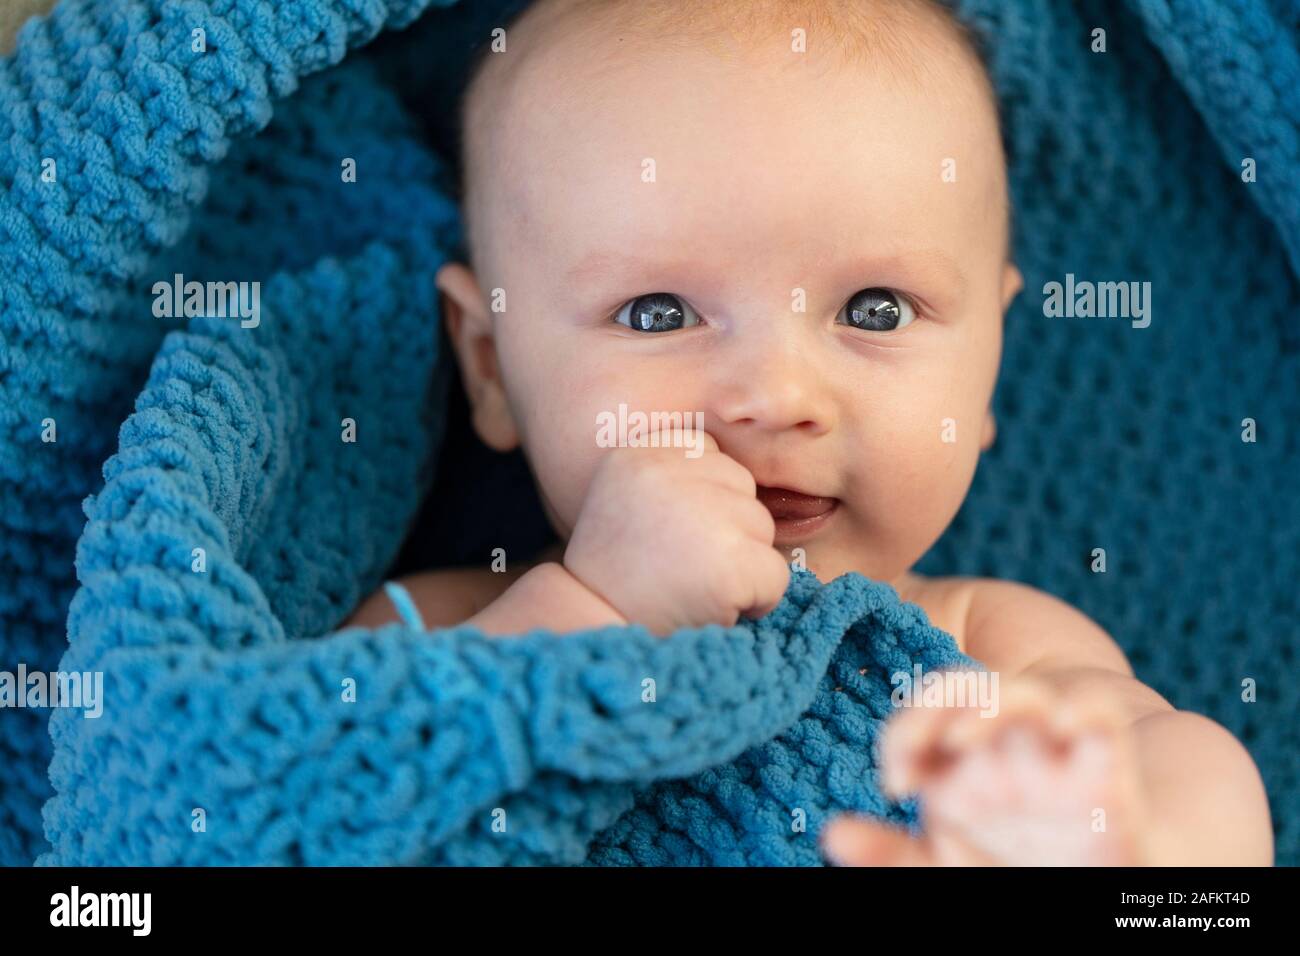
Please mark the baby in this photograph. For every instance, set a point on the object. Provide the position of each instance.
(792, 219)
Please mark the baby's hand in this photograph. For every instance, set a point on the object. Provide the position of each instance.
(1045, 782)
(672, 541)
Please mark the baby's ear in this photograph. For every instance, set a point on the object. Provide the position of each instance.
(1012, 283)
(469, 327)
(989, 432)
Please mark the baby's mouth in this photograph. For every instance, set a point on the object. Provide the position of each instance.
(797, 515)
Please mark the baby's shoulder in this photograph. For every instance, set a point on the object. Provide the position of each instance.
(1013, 625)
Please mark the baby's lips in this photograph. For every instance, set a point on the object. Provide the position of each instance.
(793, 505)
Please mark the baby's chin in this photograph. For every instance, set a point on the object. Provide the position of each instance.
(830, 559)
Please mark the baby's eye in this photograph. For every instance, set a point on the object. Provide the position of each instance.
(657, 312)
(878, 310)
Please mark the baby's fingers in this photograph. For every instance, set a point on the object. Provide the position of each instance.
(769, 577)
(910, 744)
(1020, 700)
(852, 840)
(695, 443)
(859, 841)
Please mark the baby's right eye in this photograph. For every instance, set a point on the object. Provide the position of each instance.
(657, 312)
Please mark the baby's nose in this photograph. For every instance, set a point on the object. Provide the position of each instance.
(770, 386)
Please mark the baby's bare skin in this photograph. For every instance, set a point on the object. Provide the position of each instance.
(777, 177)
(1074, 732)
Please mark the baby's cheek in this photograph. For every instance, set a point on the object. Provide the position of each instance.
(562, 449)
(557, 431)
(914, 483)
(564, 461)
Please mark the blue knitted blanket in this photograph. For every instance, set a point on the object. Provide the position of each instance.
(221, 531)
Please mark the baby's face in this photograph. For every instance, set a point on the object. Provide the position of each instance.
(830, 300)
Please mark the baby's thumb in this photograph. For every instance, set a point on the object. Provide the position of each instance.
(696, 441)
(850, 840)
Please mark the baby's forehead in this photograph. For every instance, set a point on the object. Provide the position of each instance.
(581, 87)
(921, 39)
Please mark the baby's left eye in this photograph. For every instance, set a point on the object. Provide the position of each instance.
(878, 310)
(657, 312)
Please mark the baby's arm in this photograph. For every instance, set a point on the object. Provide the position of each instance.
(545, 596)
(1097, 768)
(1205, 803)
(663, 540)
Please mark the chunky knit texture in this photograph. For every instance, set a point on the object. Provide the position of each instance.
(224, 689)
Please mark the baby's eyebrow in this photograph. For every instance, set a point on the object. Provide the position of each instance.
(914, 265)
(599, 263)
(925, 265)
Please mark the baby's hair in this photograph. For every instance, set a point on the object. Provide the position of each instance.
(866, 32)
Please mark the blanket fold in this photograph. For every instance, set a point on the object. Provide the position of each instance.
(218, 496)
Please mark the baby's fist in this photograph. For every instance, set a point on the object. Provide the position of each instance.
(673, 541)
